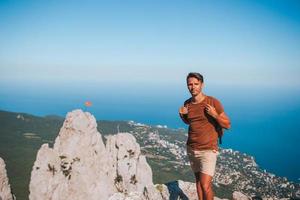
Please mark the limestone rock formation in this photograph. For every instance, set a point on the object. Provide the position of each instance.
(179, 190)
(5, 192)
(239, 196)
(129, 168)
(79, 166)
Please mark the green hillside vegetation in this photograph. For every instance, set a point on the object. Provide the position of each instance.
(21, 135)
(19, 151)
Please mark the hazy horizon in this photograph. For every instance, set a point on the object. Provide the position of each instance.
(235, 43)
(130, 58)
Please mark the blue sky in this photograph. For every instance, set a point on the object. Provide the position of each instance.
(236, 43)
(130, 58)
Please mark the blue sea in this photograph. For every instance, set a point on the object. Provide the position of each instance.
(265, 120)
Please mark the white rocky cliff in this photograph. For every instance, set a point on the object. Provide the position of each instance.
(130, 170)
(79, 166)
(5, 192)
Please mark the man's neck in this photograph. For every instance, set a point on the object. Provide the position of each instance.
(199, 98)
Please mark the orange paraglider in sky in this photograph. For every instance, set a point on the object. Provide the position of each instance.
(88, 104)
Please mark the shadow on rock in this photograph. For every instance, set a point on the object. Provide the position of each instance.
(175, 191)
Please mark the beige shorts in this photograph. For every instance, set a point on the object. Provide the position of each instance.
(203, 161)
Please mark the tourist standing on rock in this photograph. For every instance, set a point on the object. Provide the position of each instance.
(206, 119)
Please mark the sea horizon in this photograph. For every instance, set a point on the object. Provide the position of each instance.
(264, 123)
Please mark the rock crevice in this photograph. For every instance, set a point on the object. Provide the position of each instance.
(5, 191)
(80, 166)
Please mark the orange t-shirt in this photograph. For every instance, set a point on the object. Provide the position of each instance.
(202, 127)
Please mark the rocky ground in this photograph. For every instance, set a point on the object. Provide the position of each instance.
(235, 171)
(237, 174)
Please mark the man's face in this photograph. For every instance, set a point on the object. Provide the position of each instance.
(194, 86)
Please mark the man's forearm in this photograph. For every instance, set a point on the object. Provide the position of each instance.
(183, 118)
(223, 121)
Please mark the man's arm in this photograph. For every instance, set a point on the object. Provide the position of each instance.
(184, 118)
(183, 111)
(221, 118)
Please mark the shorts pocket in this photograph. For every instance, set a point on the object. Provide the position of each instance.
(215, 151)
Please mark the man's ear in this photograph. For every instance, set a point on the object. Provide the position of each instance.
(202, 86)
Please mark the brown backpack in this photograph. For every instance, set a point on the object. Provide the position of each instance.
(219, 129)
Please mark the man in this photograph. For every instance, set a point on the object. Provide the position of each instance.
(206, 118)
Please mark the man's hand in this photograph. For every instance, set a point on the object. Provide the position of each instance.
(221, 118)
(183, 110)
(211, 111)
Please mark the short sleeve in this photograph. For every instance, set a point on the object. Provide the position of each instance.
(218, 106)
(188, 101)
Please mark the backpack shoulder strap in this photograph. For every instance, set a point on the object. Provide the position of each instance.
(188, 101)
(219, 129)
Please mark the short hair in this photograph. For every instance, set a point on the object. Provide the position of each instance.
(196, 75)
